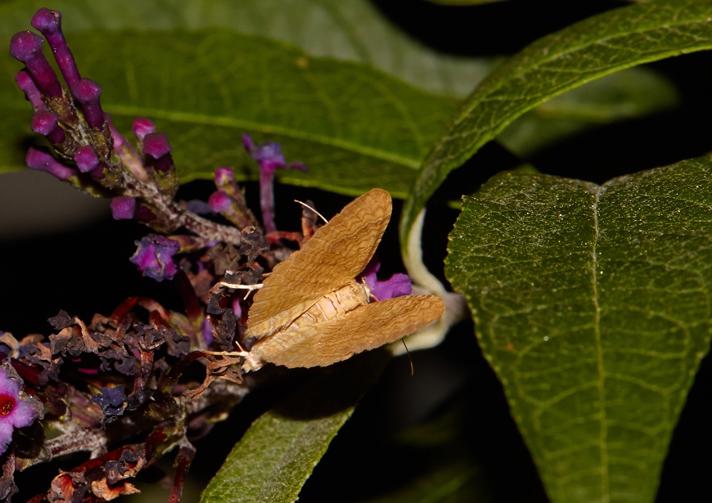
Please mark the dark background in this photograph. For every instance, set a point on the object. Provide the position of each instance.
(83, 268)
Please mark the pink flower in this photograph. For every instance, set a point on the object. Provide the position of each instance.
(14, 412)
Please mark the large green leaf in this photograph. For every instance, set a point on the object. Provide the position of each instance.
(559, 62)
(352, 30)
(629, 94)
(592, 303)
(279, 451)
(354, 127)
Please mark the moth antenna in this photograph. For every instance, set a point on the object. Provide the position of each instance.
(410, 358)
(238, 286)
(309, 207)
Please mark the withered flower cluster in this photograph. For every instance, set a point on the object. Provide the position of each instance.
(123, 388)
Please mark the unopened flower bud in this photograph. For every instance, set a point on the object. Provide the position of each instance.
(86, 159)
(123, 208)
(37, 159)
(142, 127)
(219, 201)
(87, 94)
(26, 47)
(156, 145)
(49, 23)
(27, 86)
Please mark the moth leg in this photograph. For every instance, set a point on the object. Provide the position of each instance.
(238, 286)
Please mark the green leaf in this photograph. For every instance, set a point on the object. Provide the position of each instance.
(592, 305)
(205, 89)
(585, 51)
(279, 451)
(352, 30)
(636, 92)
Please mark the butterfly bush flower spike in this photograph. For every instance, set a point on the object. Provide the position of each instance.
(154, 257)
(14, 411)
(270, 158)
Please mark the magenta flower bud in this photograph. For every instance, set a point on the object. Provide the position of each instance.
(224, 175)
(14, 411)
(27, 86)
(219, 201)
(154, 257)
(86, 159)
(26, 47)
(49, 23)
(45, 123)
(87, 94)
(37, 159)
(123, 208)
(156, 145)
(142, 127)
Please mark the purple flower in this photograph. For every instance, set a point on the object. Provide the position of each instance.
(397, 285)
(14, 412)
(270, 158)
(154, 257)
(123, 208)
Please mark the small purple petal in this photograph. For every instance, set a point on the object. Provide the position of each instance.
(23, 415)
(87, 93)
(27, 86)
(5, 436)
(154, 257)
(206, 329)
(49, 23)
(219, 201)
(397, 285)
(142, 127)
(123, 208)
(37, 159)
(156, 145)
(27, 48)
(224, 175)
(86, 159)
(236, 308)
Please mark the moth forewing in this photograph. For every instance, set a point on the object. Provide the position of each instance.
(331, 259)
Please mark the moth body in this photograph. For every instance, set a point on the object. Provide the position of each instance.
(332, 306)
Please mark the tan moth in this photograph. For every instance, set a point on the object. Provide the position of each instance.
(311, 311)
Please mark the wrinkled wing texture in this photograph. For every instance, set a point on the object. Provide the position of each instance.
(334, 255)
(366, 327)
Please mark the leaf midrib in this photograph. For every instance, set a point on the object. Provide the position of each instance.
(601, 382)
(237, 123)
